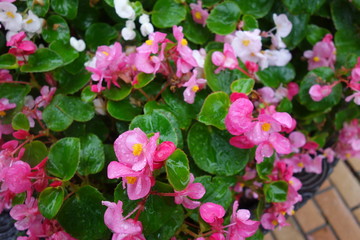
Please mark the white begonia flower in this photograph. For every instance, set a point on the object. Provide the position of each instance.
(283, 25)
(144, 19)
(32, 23)
(128, 34)
(123, 9)
(146, 29)
(100, 106)
(277, 42)
(274, 58)
(9, 34)
(130, 24)
(199, 56)
(78, 45)
(247, 44)
(9, 17)
(91, 63)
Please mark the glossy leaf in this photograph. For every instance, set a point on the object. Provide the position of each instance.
(50, 201)
(212, 152)
(250, 23)
(20, 121)
(56, 29)
(143, 79)
(82, 215)
(87, 95)
(167, 13)
(177, 170)
(304, 6)
(92, 158)
(64, 157)
(285, 105)
(117, 94)
(256, 8)
(123, 110)
(265, 168)
(215, 109)
(8, 61)
(65, 8)
(43, 60)
(315, 33)
(70, 83)
(224, 18)
(274, 76)
(54, 117)
(298, 31)
(351, 112)
(243, 85)
(35, 152)
(40, 9)
(195, 32)
(276, 191)
(65, 51)
(76, 109)
(107, 33)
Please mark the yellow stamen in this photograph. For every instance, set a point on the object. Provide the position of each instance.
(29, 21)
(291, 182)
(131, 180)
(105, 53)
(195, 88)
(266, 127)
(2, 113)
(137, 149)
(300, 164)
(241, 184)
(348, 155)
(184, 42)
(316, 59)
(10, 14)
(198, 15)
(292, 212)
(274, 222)
(283, 213)
(149, 42)
(246, 42)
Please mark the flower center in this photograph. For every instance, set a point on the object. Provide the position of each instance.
(198, 15)
(10, 14)
(246, 42)
(195, 88)
(316, 59)
(131, 180)
(2, 113)
(274, 222)
(184, 42)
(29, 21)
(266, 127)
(149, 42)
(300, 164)
(348, 155)
(137, 149)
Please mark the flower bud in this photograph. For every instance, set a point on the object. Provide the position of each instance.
(164, 150)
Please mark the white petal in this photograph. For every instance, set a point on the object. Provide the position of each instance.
(128, 34)
(146, 29)
(144, 19)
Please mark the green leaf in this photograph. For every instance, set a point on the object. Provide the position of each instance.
(65, 8)
(123, 110)
(177, 170)
(50, 201)
(64, 157)
(56, 29)
(65, 51)
(76, 109)
(35, 152)
(221, 81)
(117, 94)
(303, 6)
(156, 121)
(265, 168)
(250, 23)
(315, 33)
(54, 117)
(87, 95)
(320, 138)
(243, 85)
(120, 193)
(274, 76)
(224, 18)
(259, 235)
(110, 3)
(257, 8)
(276, 191)
(298, 31)
(212, 152)
(195, 32)
(351, 112)
(20, 121)
(215, 109)
(312, 78)
(39, 9)
(107, 33)
(346, 46)
(143, 79)
(8, 61)
(344, 16)
(167, 13)
(70, 83)
(78, 65)
(82, 215)
(43, 60)
(217, 190)
(92, 158)
(285, 105)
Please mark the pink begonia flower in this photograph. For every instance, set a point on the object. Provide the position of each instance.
(323, 54)
(314, 165)
(212, 213)
(135, 150)
(19, 46)
(243, 227)
(354, 83)
(226, 60)
(25, 214)
(239, 118)
(329, 154)
(247, 44)
(198, 13)
(317, 92)
(241, 142)
(355, 96)
(347, 145)
(17, 177)
(293, 90)
(252, 67)
(271, 220)
(5, 129)
(5, 105)
(297, 140)
(193, 85)
(31, 111)
(163, 152)
(122, 228)
(185, 61)
(47, 94)
(5, 75)
(217, 236)
(193, 191)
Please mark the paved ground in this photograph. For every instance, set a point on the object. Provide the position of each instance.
(334, 213)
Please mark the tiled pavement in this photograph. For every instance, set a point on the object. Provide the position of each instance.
(334, 212)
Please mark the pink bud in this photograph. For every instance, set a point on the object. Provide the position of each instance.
(251, 66)
(235, 96)
(164, 150)
(21, 134)
(211, 212)
(293, 90)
